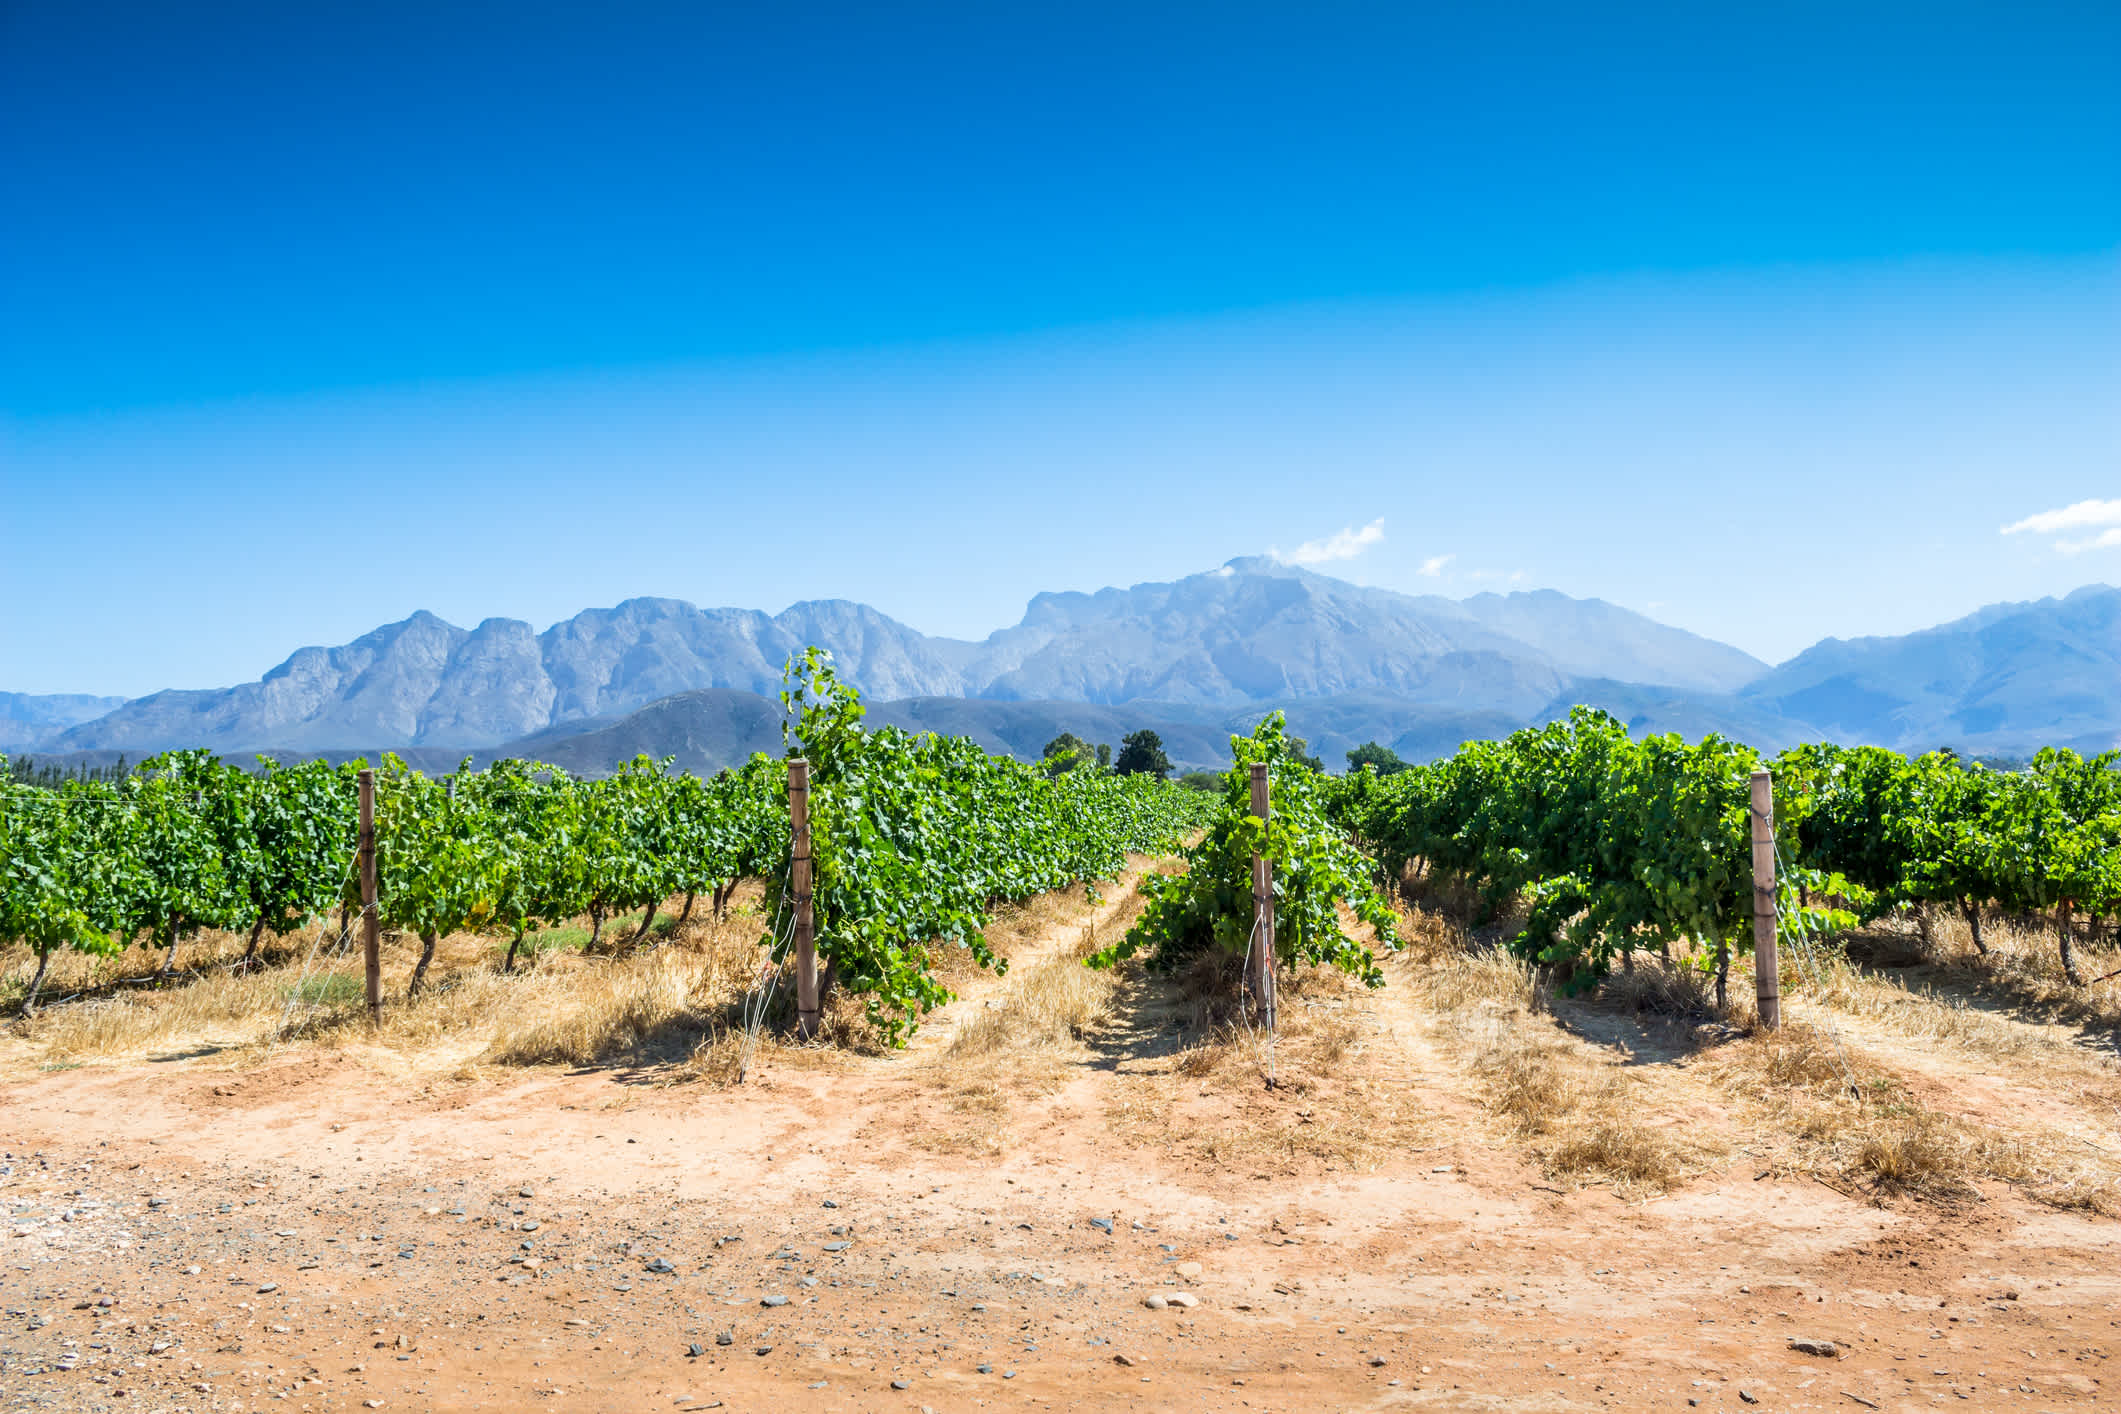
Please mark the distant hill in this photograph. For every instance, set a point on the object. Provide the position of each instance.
(716, 727)
(1196, 660)
(1251, 632)
(29, 720)
(2005, 680)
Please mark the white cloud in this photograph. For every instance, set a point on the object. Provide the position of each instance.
(2081, 516)
(1341, 545)
(1433, 567)
(2105, 540)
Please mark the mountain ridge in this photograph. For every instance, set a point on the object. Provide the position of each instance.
(1253, 630)
(1196, 658)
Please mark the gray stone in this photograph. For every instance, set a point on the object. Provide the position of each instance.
(773, 1301)
(1825, 1349)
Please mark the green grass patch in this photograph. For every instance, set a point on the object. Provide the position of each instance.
(549, 940)
(332, 989)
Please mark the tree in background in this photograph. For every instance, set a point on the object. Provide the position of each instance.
(1142, 754)
(1300, 752)
(1069, 752)
(1375, 754)
(1201, 780)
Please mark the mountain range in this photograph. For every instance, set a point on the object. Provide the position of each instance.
(1194, 659)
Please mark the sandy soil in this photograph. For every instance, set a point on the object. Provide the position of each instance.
(332, 1230)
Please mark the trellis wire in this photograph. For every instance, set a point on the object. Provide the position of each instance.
(1795, 923)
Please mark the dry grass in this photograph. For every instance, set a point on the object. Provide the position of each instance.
(2024, 964)
(1578, 1113)
(1846, 1116)
(1459, 980)
(1026, 1041)
(1320, 1091)
(1916, 1013)
(612, 1011)
(1057, 1003)
(557, 1007)
(1662, 988)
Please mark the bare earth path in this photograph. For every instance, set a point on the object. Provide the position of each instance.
(314, 1231)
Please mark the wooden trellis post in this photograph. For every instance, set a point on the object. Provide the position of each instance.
(1259, 961)
(1767, 967)
(371, 930)
(806, 998)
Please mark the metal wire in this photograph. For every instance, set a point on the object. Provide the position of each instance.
(1259, 1040)
(309, 963)
(1799, 929)
(760, 998)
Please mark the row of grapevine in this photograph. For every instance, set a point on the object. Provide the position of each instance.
(1618, 843)
(915, 837)
(519, 844)
(1209, 909)
(1937, 829)
(182, 843)
(1621, 843)
(188, 842)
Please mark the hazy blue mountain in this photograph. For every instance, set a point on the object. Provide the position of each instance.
(2006, 679)
(1196, 658)
(29, 720)
(1254, 631)
(1257, 630)
(1590, 638)
(715, 728)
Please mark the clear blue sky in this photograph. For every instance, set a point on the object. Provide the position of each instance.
(1764, 320)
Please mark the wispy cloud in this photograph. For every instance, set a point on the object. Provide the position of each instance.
(2104, 540)
(1433, 567)
(2081, 516)
(1341, 545)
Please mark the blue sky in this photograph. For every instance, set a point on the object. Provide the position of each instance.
(1765, 321)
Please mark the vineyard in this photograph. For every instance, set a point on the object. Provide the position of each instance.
(1607, 847)
(1434, 1070)
(1621, 845)
(917, 838)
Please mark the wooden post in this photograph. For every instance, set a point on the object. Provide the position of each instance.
(806, 999)
(1259, 963)
(1767, 967)
(371, 932)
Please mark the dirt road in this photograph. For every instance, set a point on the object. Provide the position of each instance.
(341, 1230)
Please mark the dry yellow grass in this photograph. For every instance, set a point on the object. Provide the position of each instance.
(565, 1007)
(1578, 1113)
(1847, 1116)
(2025, 963)
(1318, 1091)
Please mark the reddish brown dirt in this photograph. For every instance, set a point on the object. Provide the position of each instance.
(363, 1210)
